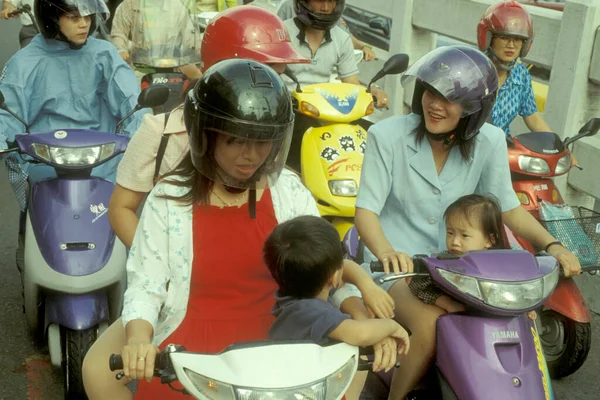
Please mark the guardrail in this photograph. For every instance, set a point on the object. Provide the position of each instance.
(566, 42)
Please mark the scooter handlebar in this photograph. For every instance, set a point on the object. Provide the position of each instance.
(115, 362)
(418, 264)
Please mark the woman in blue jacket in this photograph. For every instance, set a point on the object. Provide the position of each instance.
(65, 79)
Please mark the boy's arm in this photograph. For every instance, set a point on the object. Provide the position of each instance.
(367, 332)
(376, 299)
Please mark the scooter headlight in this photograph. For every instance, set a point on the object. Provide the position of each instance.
(329, 388)
(345, 188)
(563, 165)
(533, 165)
(512, 296)
(74, 156)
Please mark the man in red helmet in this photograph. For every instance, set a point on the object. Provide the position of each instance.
(505, 33)
(249, 32)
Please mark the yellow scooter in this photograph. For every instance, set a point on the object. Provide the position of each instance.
(332, 149)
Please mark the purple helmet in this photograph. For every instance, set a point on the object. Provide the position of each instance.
(460, 74)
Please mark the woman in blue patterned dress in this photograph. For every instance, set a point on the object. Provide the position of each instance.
(505, 33)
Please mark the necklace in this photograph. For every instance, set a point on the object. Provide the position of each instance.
(230, 203)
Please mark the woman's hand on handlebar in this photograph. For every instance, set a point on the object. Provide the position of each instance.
(568, 261)
(382, 99)
(400, 262)
(138, 359)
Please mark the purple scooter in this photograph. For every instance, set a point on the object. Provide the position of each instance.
(72, 264)
(491, 351)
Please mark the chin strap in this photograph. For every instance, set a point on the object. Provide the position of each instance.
(448, 138)
(499, 63)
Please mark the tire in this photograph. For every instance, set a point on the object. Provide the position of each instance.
(77, 344)
(566, 343)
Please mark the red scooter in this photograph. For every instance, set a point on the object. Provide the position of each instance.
(564, 322)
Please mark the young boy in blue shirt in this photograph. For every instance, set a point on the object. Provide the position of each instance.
(305, 257)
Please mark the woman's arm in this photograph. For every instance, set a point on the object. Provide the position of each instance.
(371, 233)
(523, 224)
(122, 213)
(536, 123)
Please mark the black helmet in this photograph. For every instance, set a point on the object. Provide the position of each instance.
(248, 105)
(48, 12)
(460, 74)
(310, 17)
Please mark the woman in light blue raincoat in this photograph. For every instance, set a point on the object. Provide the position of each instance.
(65, 79)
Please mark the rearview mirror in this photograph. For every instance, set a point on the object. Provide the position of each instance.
(396, 64)
(591, 127)
(153, 96)
(377, 23)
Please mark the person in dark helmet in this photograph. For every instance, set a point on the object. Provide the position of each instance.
(65, 79)
(225, 197)
(249, 32)
(416, 165)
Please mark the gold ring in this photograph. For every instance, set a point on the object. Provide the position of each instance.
(141, 358)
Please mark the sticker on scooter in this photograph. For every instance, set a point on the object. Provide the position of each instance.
(158, 81)
(347, 143)
(539, 188)
(334, 167)
(330, 154)
(60, 134)
(362, 147)
(325, 136)
(360, 133)
(99, 210)
(542, 364)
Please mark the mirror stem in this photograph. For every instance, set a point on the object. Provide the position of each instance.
(120, 123)
(5, 108)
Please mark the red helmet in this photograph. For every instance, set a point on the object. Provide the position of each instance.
(506, 18)
(248, 32)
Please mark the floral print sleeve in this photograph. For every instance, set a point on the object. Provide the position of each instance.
(148, 263)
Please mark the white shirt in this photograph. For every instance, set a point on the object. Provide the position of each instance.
(162, 252)
(24, 18)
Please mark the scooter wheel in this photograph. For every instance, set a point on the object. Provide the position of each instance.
(566, 343)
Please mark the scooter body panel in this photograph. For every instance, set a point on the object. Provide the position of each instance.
(333, 153)
(39, 279)
(70, 223)
(492, 358)
(176, 83)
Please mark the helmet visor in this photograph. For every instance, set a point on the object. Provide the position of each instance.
(454, 75)
(240, 154)
(88, 7)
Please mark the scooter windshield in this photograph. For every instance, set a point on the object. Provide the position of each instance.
(541, 142)
(169, 37)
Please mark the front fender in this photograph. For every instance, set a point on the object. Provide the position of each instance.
(77, 312)
(567, 300)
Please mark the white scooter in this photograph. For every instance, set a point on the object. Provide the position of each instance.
(259, 370)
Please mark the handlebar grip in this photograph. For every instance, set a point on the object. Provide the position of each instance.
(418, 263)
(115, 362)
(376, 266)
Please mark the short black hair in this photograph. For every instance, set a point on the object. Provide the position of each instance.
(486, 210)
(302, 254)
